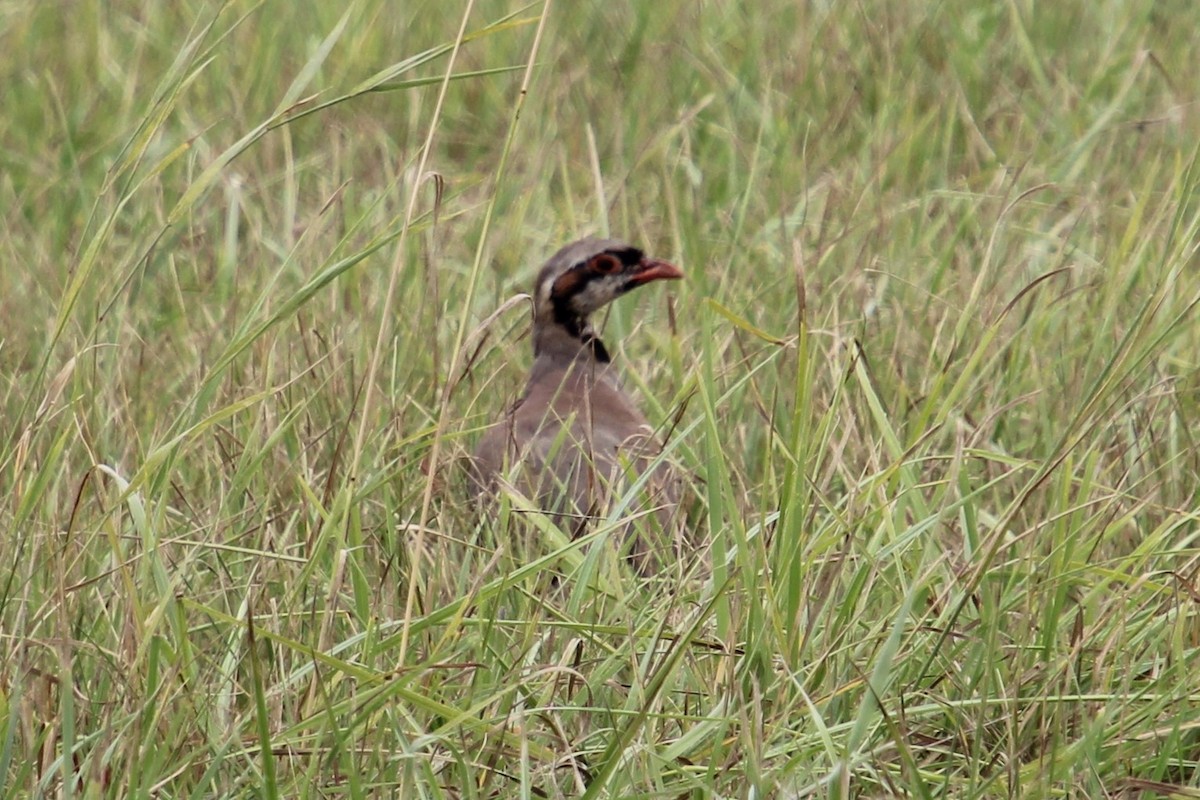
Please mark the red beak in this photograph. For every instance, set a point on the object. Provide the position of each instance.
(654, 270)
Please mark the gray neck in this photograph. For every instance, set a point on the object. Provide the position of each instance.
(555, 347)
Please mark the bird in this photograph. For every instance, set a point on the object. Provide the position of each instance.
(575, 438)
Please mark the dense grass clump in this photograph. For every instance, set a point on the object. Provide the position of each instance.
(934, 370)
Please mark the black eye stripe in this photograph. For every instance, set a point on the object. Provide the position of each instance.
(629, 256)
(576, 279)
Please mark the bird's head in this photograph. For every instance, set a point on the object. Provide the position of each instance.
(587, 275)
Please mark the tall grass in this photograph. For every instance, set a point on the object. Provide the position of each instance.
(934, 371)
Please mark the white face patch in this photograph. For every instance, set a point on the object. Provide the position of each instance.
(597, 293)
(542, 300)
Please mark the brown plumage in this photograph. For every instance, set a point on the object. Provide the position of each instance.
(575, 439)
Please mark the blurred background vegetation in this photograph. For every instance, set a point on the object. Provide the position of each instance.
(934, 367)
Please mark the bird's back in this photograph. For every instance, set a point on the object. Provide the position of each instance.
(567, 441)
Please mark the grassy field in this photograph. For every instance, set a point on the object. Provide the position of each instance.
(934, 367)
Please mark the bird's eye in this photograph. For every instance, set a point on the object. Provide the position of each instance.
(606, 264)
